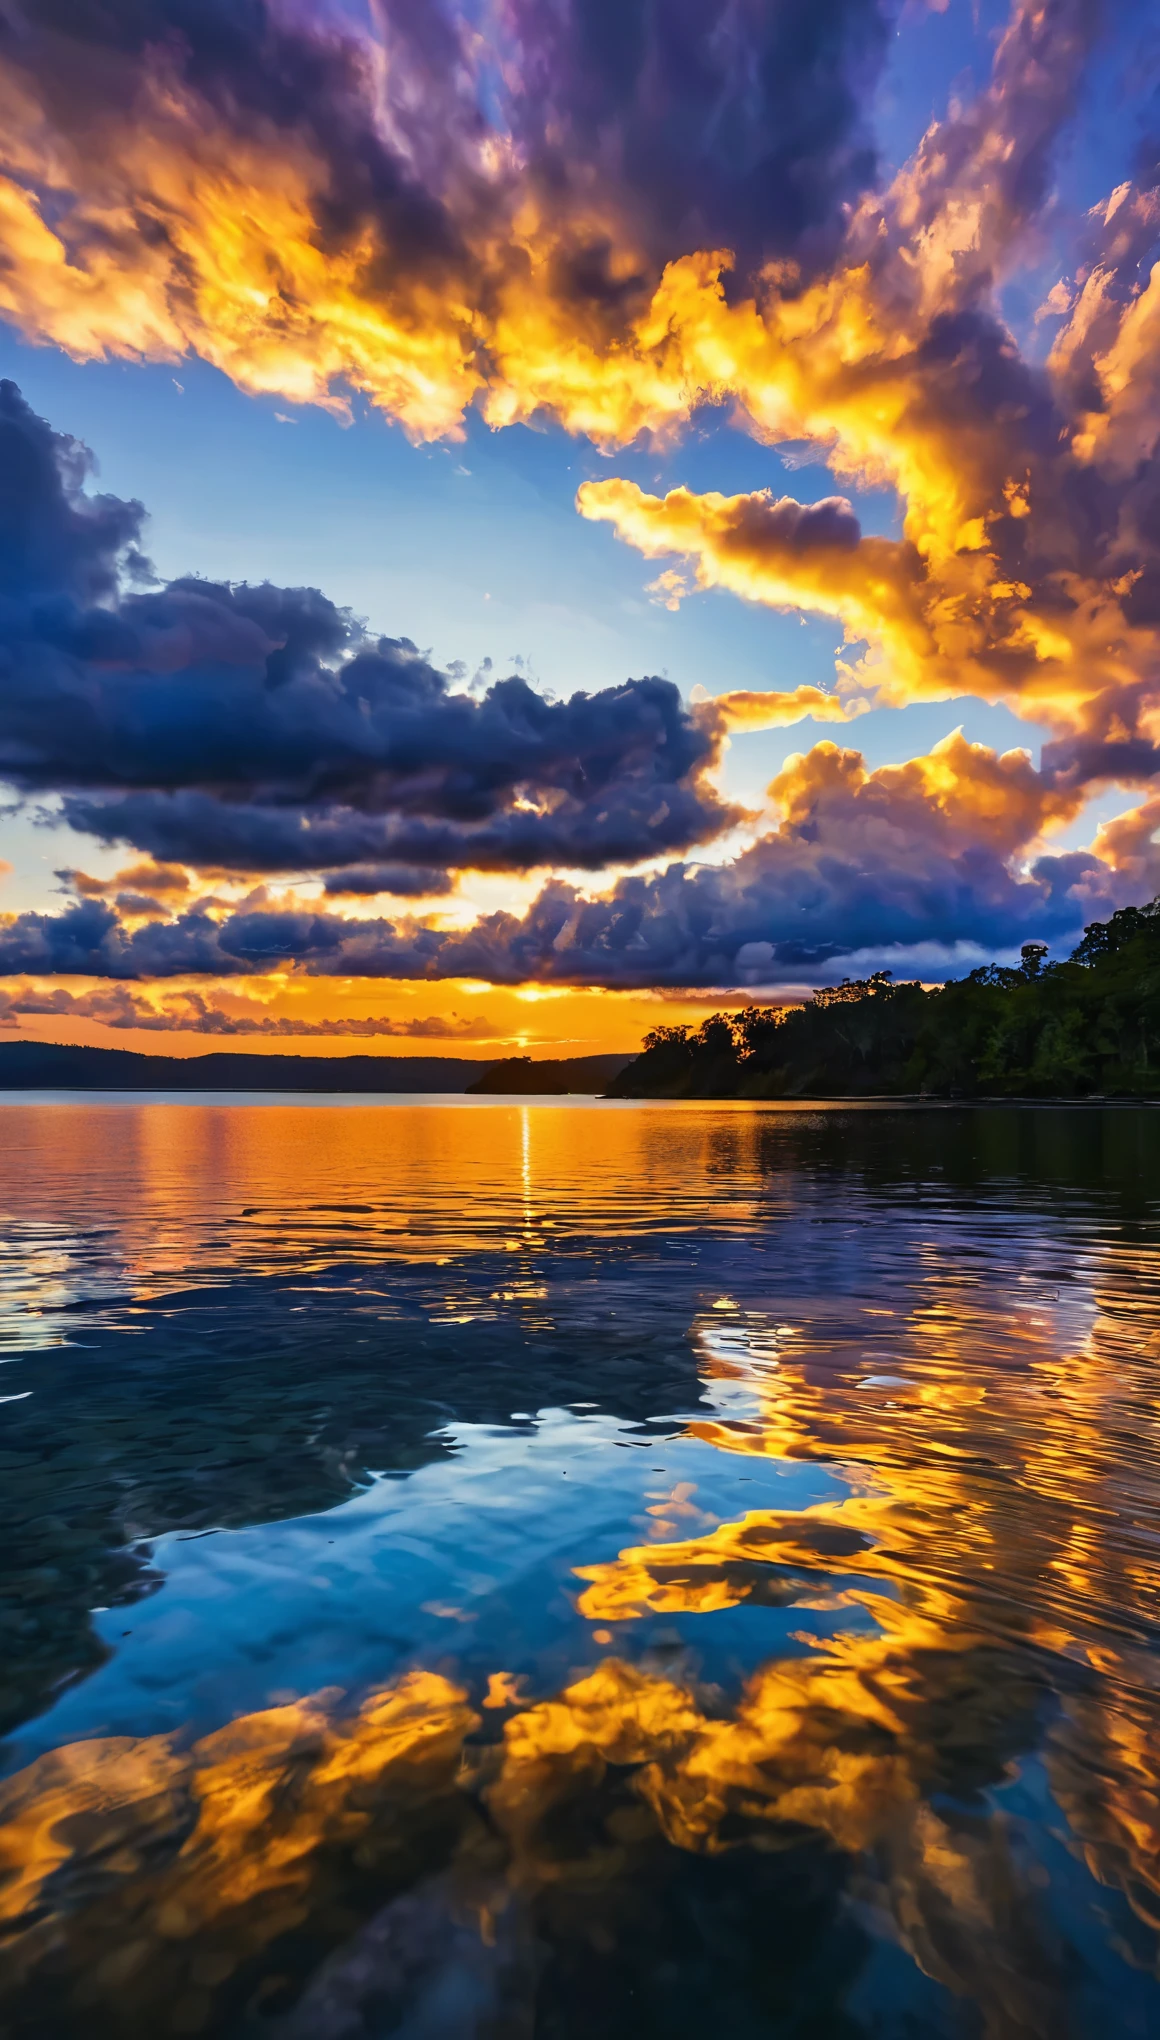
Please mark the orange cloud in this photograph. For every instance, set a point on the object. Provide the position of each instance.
(935, 627)
(967, 793)
(175, 232)
(1026, 570)
(160, 882)
(744, 708)
(789, 555)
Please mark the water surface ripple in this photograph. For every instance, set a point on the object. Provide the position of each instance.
(553, 1570)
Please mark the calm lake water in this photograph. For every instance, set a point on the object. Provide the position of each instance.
(573, 1570)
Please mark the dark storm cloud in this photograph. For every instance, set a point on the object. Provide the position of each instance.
(402, 881)
(88, 940)
(619, 825)
(866, 865)
(258, 69)
(632, 130)
(263, 729)
(726, 123)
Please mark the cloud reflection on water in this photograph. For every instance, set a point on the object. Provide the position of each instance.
(947, 1748)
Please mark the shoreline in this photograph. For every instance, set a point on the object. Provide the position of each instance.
(261, 1094)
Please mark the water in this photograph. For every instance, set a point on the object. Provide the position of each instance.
(476, 1569)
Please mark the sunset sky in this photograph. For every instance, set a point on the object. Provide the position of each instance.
(524, 521)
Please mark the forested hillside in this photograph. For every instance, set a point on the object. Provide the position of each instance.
(1087, 1026)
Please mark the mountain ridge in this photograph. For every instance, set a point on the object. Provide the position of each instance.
(51, 1066)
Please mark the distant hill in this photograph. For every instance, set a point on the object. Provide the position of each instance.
(519, 1076)
(52, 1066)
(59, 1066)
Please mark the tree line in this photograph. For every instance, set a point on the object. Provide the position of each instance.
(1089, 1026)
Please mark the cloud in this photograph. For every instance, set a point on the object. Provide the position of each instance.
(1028, 569)
(942, 848)
(401, 881)
(426, 215)
(263, 728)
(742, 708)
(717, 124)
(787, 554)
(611, 218)
(88, 940)
(157, 881)
(192, 1013)
(538, 217)
(646, 215)
(624, 824)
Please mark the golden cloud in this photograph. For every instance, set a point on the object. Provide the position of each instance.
(1023, 567)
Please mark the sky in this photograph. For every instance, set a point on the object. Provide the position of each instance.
(521, 523)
